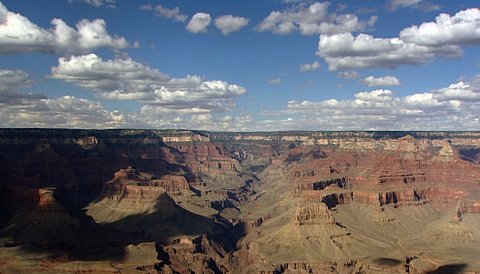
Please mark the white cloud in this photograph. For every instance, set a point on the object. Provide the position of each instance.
(202, 117)
(417, 4)
(348, 74)
(18, 109)
(125, 79)
(13, 79)
(460, 91)
(65, 111)
(36, 110)
(228, 23)
(3, 13)
(97, 3)
(275, 81)
(379, 95)
(455, 107)
(461, 29)
(312, 19)
(199, 23)
(372, 81)
(10, 81)
(344, 51)
(173, 13)
(396, 4)
(416, 45)
(310, 67)
(149, 117)
(18, 34)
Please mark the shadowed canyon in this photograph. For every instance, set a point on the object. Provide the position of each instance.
(180, 201)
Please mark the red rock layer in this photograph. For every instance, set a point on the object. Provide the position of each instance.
(206, 157)
(127, 183)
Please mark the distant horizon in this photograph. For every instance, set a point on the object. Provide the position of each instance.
(215, 131)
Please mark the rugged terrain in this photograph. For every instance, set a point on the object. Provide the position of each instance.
(173, 201)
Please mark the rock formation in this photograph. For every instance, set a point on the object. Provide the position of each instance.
(175, 201)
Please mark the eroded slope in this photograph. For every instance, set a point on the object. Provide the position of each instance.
(180, 201)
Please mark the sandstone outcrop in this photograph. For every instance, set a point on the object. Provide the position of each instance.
(199, 255)
(317, 213)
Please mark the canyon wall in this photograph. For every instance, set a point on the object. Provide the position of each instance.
(266, 202)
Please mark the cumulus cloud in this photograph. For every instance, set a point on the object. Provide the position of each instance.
(461, 29)
(125, 79)
(18, 34)
(172, 14)
(372, 81)
(199, 23)
(416, 45)
(151, 117)
(312, 19)
(461, 91)
(97, 3)
(228, 23)
(19, 109)
(455, 107)
(344, 51)
(65, 111)
(310, 67)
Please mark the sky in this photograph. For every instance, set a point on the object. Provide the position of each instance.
(240, 65)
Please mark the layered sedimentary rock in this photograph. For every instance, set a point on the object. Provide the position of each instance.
(41, 220)
(130, 183)
(443, 196)
(78, 162)
(320, 185)
(277, 202)
(195, 254)
(201, 154)
(314, 214)
(413, 174)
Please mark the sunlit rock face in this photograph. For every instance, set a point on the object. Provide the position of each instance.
(179, 201)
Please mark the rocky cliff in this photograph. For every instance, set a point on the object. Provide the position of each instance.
(174, 201)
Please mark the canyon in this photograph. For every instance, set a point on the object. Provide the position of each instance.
(185, 201)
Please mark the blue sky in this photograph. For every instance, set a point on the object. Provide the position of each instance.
(240, 65)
